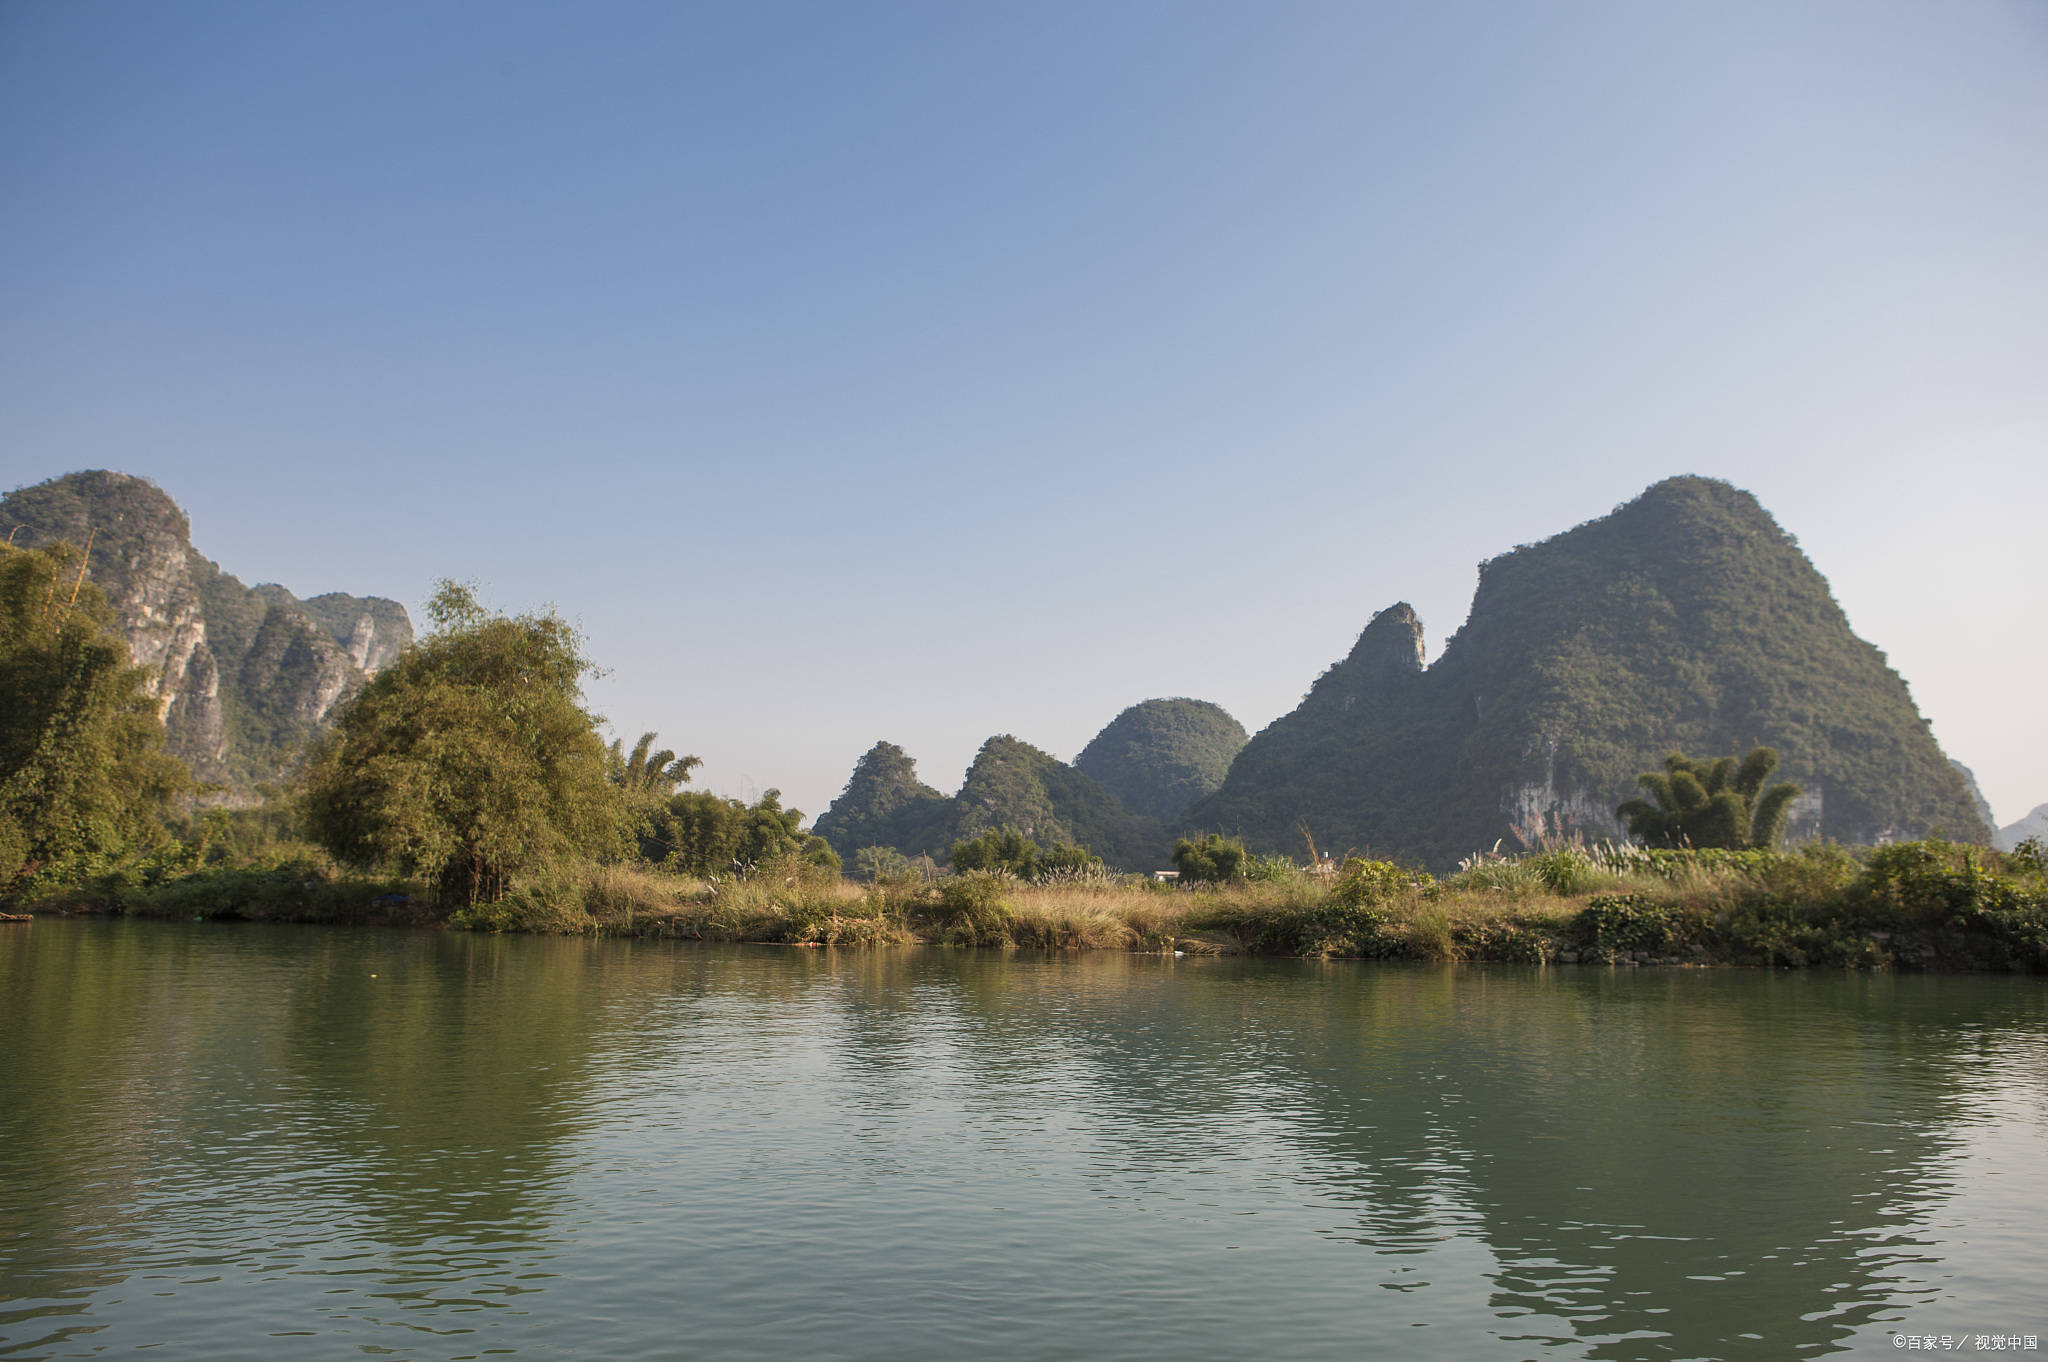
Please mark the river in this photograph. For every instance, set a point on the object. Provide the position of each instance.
(238, 1141)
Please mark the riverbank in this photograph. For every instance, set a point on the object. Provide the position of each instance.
(1921, 905)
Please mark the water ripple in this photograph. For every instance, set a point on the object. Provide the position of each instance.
(438, 1146)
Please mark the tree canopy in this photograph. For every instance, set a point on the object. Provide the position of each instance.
(469, 759)
(83, 771)
(1215, 857)
(1009, 851)
(699, 833)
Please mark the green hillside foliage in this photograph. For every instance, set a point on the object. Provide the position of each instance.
(886, 805)
(113, 510)
(1010, 784)
(1685, 620)
(83, 771)
(337, 613)
(1160, 756)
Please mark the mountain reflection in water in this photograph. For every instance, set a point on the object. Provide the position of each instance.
(221, 1138)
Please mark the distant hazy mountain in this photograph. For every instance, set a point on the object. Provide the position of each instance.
(245, 675)
(1160, 756)
(2034, 824)
(1011, 783)
(1687, 620)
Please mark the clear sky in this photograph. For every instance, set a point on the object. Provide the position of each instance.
(924, 372)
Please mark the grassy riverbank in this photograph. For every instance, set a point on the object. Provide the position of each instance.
(1912, 905)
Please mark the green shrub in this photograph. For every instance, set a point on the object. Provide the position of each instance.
(1365, 884)
(1515, 942)
(974, 910)
(1213, 860)
(1931, 883)
(1613, 924)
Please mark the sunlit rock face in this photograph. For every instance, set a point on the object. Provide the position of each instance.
(243, 675)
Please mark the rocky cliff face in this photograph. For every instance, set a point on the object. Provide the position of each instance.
(1685, 620)
(371, 631)
(244, 675)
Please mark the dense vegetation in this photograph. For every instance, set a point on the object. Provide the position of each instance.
(83, 772)
(1918, 905)
(1006, 851)
(1214, 858)
(471, 760)
(701, 834)
(1910, 905)
(1160, 756)
(1685, 620)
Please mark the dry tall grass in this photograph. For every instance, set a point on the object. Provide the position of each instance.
(1816, 905)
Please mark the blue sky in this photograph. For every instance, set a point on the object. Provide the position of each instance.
(924, 372)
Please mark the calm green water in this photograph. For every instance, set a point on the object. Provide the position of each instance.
(236, 1141)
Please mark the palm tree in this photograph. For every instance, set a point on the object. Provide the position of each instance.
(1719, 803)
(645, 771)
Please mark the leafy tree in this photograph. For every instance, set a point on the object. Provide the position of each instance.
(83, 771)
(699, 833)
(997, 849)
(881, 864)
(1065, 856)
(1718, 803)
(1008, 851)
(469, 759)
(1214, 858)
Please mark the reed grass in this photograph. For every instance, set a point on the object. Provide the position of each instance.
(1927, 904)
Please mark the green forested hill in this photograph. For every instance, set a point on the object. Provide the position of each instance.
(1011, 783)
(1160, 756)
(1686, 619)
(886, 805)
(244, 674)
